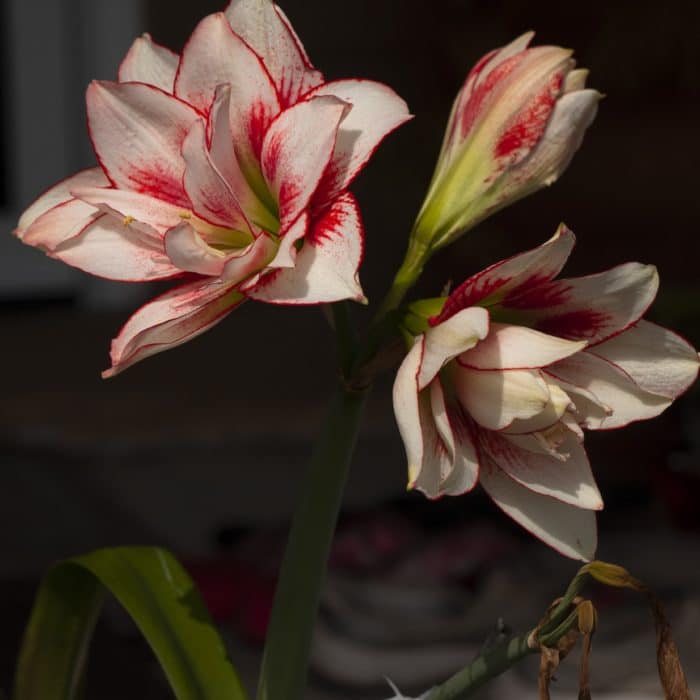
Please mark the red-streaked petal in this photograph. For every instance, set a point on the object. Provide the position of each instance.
(522, 271)
(507, 107)
(570, 118)
(612, 387)
(657, 359)
(326, 267)
(268, 32)
(453, 134)
(137, 131)
(569, 530)
(211, 197)
(59, 194)
(224, 158)
(570, 481)
(451, 338)
(297, 149)
(591, 308)
(188, 251)
(376, 111)
(494, 399)
(170, 320)
(517, 347)
(107, 248)
(215, 55)
(150, 63)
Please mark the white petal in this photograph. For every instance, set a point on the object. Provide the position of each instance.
(250, 261)
(170, 320)
(508, 277)
(465, 468)
(59, 224)
(494, 399)
(559, 402)
(188, 251)
(658, 360)
(137, 131)
(589, 411)
(287, 252)
(326, 267)
(569, 530)
(58, 194)
(109, 249)
(440, 415)
(612, 387)
(297, 149)
(157, 213)
(576, 80)
(451, 338)
(150, 63)
(570, 481)
(437, 462)
(407, 410)
(517, 347)
(376, 111)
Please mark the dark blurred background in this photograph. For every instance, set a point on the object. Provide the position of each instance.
(200, 449)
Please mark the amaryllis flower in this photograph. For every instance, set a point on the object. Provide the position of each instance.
(228, 164)
(517, 364)
(514, 128)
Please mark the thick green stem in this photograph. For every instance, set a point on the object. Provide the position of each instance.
(345, 336)
(409, 272)
(487, 666)
(484, 668)
(287, 647)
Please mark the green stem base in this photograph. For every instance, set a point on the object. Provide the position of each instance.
(286, 656)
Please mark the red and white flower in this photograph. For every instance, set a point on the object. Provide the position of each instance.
(229, 165)
(514, 128)
(500, 387)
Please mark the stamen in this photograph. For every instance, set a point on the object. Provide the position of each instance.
(185, 215)
(127, 220)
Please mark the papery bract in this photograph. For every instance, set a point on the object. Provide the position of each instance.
(499, 389)
(514, 127)
(229, 164)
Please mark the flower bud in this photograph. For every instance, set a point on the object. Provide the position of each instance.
(514, 127)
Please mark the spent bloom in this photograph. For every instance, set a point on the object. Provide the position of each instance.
(227, 166)
(514, 127)
(516, 365)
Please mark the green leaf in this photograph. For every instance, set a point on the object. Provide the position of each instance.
(161, 599)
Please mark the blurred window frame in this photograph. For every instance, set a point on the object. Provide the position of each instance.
(53, 48)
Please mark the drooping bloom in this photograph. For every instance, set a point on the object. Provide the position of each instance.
(228, 165)
(514, 127)
(499, 389)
